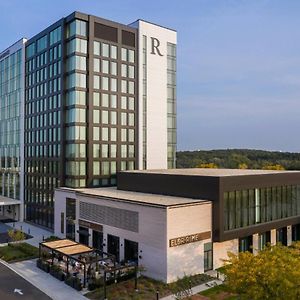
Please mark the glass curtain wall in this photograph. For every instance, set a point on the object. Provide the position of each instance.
(10, 103)
(42, 126)
(255, 206)
(76, 104)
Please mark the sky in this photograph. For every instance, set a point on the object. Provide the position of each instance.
(238, 68)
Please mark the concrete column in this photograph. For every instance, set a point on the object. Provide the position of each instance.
(289, 235)
(90, 237)
(273, 237)
(104, 241)
(76, 232)
(255, 243)
(122, 247)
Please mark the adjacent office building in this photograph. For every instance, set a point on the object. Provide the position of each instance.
(12, 131)
(187, 224)
(100, 97)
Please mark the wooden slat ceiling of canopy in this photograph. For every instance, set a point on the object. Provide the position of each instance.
(59, 244)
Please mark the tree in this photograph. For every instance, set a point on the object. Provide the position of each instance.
(273, 167)
(243, 166)
(271, 274)
(16, 235)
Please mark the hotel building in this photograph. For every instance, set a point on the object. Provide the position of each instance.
(100, 97)
(183, 221)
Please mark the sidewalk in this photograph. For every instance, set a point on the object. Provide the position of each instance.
(197, 289)
(37, 232)
(54, 288)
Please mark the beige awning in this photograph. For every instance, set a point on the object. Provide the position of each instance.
(59, 244)
(73, 250)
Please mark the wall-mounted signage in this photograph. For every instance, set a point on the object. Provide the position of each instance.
(93, 226)
(155, 43)
(189, 239)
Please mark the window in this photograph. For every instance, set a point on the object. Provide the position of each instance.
(77, 27)
(105, 66)
(208, 257)
(77, 45)
(113, 52)
(105, 50)
(76, 80)
(76, 63)
(55, 35)
(42, 43)
(96, 48)
(76, 98)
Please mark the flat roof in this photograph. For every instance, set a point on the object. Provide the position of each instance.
(67, 247)
(136, 197)
(8, 201)
(211, 172)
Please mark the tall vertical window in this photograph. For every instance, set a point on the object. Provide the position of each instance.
(171, 104)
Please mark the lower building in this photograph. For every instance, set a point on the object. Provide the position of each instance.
(184, 221)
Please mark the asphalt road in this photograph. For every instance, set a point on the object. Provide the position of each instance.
(9, 281)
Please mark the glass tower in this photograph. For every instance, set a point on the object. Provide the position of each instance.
(11, 129)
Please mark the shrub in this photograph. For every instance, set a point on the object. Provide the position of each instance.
(16, 235)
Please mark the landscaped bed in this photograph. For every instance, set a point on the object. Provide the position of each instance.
(18, 252)
(146, 289)
(219, 292)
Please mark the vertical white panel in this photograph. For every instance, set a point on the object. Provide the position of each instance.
(156, 75)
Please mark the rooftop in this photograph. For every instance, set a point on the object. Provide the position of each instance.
(135, 197)
(211, 172)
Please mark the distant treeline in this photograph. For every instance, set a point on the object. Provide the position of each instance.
(238, 158)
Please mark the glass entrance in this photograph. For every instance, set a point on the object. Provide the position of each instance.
(83, 235)
(246, 244)
(113, 246)
(281, 236)
(131, 251)
(98, 240)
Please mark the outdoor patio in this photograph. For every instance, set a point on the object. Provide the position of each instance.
(79, 265)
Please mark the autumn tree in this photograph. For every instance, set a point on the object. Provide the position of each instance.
(271, 274)
(208, 166)
(16, 235)
(273, 167)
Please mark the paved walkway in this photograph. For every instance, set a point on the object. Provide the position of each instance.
(37, 232)
(54, 288)
(197, 289)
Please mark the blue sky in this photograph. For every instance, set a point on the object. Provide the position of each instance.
(238, 63)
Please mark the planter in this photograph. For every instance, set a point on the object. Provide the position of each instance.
(43, 265)
(58, 275)
(73, 282)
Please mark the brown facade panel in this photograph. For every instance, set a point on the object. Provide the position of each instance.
(105, 32)
(128, 38)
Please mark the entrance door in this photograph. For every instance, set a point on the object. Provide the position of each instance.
(98, 240)
(83, 235)
(281, 236)
(113, 246)
(131, 251)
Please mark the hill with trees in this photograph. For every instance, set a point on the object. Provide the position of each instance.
(239, 159)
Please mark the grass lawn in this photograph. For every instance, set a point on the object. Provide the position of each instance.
(146, 289)
(219, 292)
(18, 252)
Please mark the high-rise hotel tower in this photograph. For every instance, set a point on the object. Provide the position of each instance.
(100, 97)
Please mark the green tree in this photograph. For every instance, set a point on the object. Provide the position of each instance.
(271, 274)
